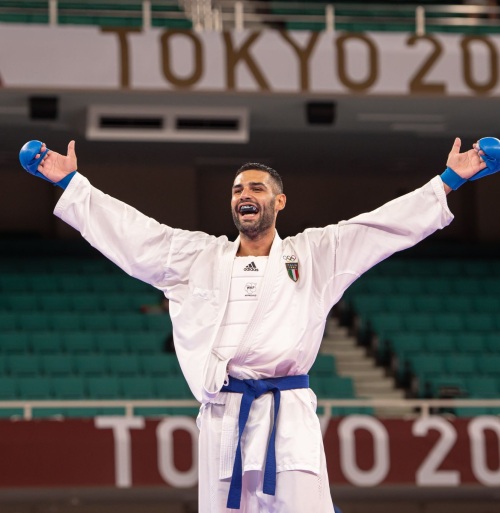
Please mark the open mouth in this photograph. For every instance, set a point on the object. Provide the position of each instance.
(248, 210)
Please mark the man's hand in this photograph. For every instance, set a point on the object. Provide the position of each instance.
(465, 164)
(55, 166)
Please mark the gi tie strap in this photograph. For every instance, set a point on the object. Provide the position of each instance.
(252, 389)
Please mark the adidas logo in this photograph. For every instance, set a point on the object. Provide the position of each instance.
(251, 267)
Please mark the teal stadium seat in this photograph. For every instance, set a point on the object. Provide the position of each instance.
(124, 364)
(172, 387)
(492, 342)
(129, 321)
(403, 343)
(116, 302)
(8, 321)
(57, 364)
(111, 342)
(457, 303)
(324, 365)
(486, 304)
(8, 388)
(428, 364)
(21, 302)
(54, 302)
(443, 343)
(449, 322)
(489, 364)
(45, 342)
(66, 322)
(103, 387)
(23, 364)
(78, 342)
(85, 302)
(400, 303)
(480, 387)
(14, 342)
(470, 343)
(42, 284)
(480, 322)
(145, 342)
(137, 387)
(33, 321)
(336, 387)
(418, 322)
(160, 365)
(97, 321)
(91, 364)
(35, 387)
(428, 303)
(460, 365)
(67, 387)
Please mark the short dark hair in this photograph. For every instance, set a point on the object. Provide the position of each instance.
(275, 177)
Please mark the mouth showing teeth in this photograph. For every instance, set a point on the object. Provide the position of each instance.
(248, 209)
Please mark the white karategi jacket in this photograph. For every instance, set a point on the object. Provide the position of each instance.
(193, 269)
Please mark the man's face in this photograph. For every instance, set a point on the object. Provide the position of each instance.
(254, 203)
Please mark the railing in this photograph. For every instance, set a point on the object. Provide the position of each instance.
(423, 407)
(237, 15)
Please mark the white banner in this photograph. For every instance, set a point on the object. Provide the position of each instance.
(268, 61)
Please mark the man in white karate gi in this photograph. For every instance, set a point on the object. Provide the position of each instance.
(249, 315)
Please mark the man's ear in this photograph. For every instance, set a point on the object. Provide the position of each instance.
(280, 201)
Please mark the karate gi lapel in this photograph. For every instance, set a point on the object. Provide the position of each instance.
(229, 432)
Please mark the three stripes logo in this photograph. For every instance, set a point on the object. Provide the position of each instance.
(250, 267)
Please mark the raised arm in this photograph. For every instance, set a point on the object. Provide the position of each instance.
(142, 247)
(369, 238)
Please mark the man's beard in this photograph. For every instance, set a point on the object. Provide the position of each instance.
(265, 221)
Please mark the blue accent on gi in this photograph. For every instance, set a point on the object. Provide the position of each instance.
(252, 389)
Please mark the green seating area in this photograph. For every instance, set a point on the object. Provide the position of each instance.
(328, 385)
(110, 13)
(441, 17)
(73, 328)
(362, 16)
(436, 322)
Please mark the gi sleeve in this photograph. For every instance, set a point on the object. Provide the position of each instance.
(139, 245)
(369, 238)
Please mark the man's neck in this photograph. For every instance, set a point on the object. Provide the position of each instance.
(261, 246)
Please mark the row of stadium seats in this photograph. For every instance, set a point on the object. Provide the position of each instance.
(426, 285)
(96, 363)
(131, 387)
(108, 14)
(368, 304)
(74, 342)
(434, 267)
(386, 323)
(79, 302)
(71, 282)
(128, 13)
(93, 387)
(121, 364)
(402, 343)
(461, 364)
(91, 321)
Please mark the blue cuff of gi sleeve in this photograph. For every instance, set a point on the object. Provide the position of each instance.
(451, 179)
(65, 181)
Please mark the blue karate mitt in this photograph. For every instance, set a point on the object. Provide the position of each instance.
(27, 157)
(491, 149)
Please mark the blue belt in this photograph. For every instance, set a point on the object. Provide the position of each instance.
(252, 389)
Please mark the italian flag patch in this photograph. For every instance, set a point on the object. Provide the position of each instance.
(292, 269)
